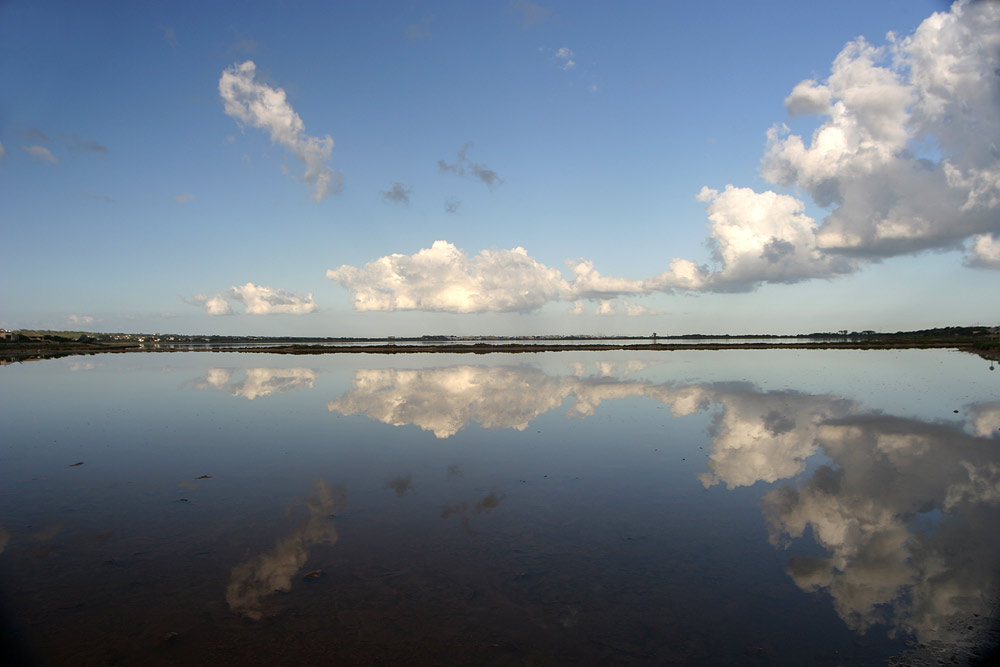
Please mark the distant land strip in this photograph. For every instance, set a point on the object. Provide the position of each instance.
(520, 348)
(984, 341)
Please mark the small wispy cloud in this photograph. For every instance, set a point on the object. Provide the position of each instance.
(566, 56)
(421, 30)
(184, 198)
(168, 35)
(242, 43)
(105, 198)
(80, 319)
(78, 144)
(41, 153)
(33, 134)
(479, 171)
(531, 14)
(398, 194)
(259, 105)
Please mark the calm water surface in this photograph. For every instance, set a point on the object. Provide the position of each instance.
(771, 507)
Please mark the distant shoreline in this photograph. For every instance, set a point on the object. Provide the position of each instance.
(28, 350)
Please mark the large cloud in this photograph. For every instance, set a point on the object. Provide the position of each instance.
(443, 278)
(259, 105)
(763, 237)
(937, 89)
(756, 237)
(257, 300)
(907, 157)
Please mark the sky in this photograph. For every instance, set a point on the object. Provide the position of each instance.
(509, 168)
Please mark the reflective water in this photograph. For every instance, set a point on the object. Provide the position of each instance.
(773, 507)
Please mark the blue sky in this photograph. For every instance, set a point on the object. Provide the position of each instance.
(400, 168)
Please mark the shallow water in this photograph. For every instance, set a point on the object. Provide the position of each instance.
(773, 507)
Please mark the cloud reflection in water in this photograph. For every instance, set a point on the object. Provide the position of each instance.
(907, 510)
(256, 579)
(446, 400)
(908, 513)
(258, 382)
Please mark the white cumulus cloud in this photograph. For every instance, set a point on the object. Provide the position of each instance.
(906, 158)
(443, 278)
(588, 283)
(257, 300)
(937, 87)
(763, 237)
(984, 251)
(258, 105)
